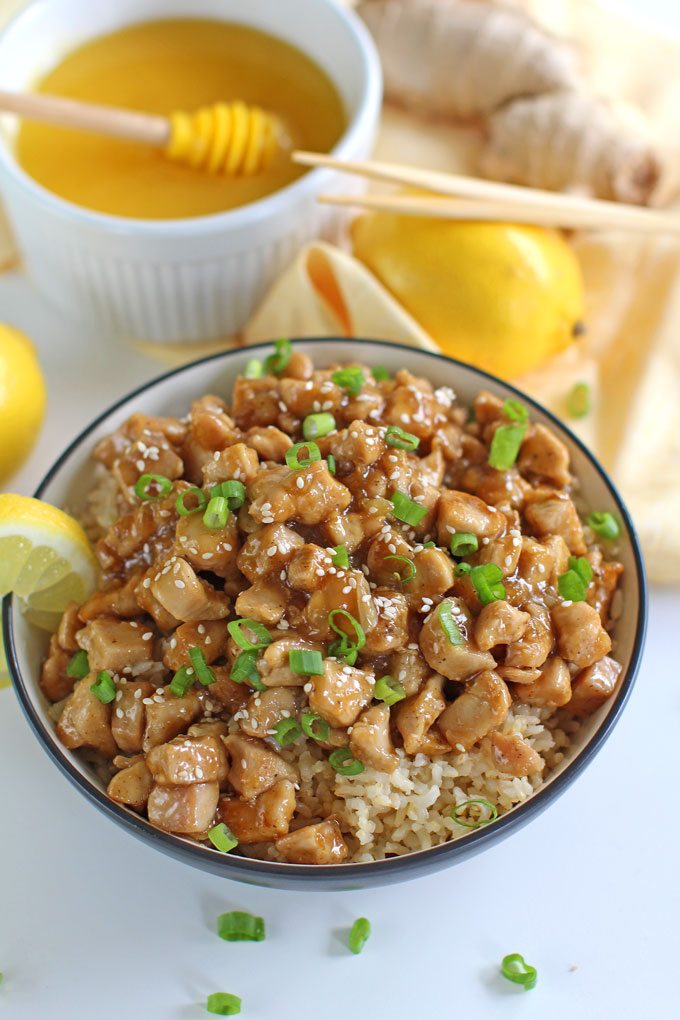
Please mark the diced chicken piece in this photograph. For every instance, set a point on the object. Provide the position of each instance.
(536, 562)
(447, 438)
(186, 810)
(434, 574)
(432, 468)
(274, 664)
(151, 524)
(581, 638)
(359, 445)
(556, 515)
(254, 767)
(138, 426)
(209, 728)
(513, 755)
(267, 818)
(55, 682)
(186, 760)
(341, 693)
(269, 443)
(307, 568)
(210, 636)
(482, 707)
(504, 552)
(385, 545)
(499, 623)
(544, 456)
(370, 740)
(301, 399)
(119, 600)
(348, 590)
(113, 644)
(166, 718)
(268, 551)
(459, 511)
(593, 686)
(164, 620)
(551, 690)
(391, 629)
(85, 722)
(69, 625)
(351, 529)
(516, 675)
(300, 366)
(409, 668)
(498, 488)
(226, 692)
(255, 402)
(605, 582)
(411, 406)
(265, 601)
(185, 595)
(210, 430)
(415, 716)
(559, 550)
(309, 495)
(131, 786)
(321, 843)
(536, 643)
(128, 718)
(488, 408)
(360, 408)
(151, 455)
(213, 549)
(265, 709)
(238, 462)
(455, 661)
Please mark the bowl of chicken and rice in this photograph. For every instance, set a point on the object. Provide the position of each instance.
(362, 611)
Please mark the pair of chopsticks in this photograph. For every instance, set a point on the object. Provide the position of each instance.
(456, 197)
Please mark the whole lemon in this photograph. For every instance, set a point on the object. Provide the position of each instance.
(22, 399)
(503, 297)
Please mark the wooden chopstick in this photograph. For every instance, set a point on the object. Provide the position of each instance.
(489, 200)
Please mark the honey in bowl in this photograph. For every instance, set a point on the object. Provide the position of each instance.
(163, 66)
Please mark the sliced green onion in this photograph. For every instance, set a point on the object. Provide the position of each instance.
(429, 545)
(204, 674)
(223, 1004)
(152, 486)
(344, 762)
(345, 650)
(340, 556)
(463, 543)
(201, 501)
(505, 445)
(297, 463)
(332, 467)
(603, 524)
(262, 635)
(305, 662)
(487, 581)
(244, 668)
(481, 802)
(578, 400)
(253, 369)
(317, 425)
(515, 410)
(389, 690)
(104, 688)
(233, 491)
(380, 373)
(277, 361)
(216, 513)
(79, 665)
(181, 682)
(572, 587)
(315, 727)
(582, 567)
(287, 731)
(358, 936)
(350, 379)
(410, 568)
(516, 969)
(401, 440)
(406, 510)
(463, 568)
(448, 624)
(222, 838)
(239, 926)
(347, 644)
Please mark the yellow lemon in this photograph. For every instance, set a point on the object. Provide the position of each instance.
(500, 296)
(22, 399)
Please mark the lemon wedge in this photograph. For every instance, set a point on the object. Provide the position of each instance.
(45, 558)
(22, 398)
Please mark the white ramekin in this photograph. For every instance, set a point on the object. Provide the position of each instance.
(192, 279)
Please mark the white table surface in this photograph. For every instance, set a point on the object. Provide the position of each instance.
(95, 925)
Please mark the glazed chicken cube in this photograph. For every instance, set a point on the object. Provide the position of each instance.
(552, 689)
(264, 709)
(307, 569)
(559, 550)
(255, 402)
(455, 661)
(512, 754)
(434, 574)
(351, 529)
(266, 818)
(371, 742)
(408, 667)
(268, 551)
(119, 600)
(536, 643)
(237, 462)
(269, 443)
(186, 810)
(131, 786)
(516, 675)
(504, 489)
(309, 495)
(411, 406)
(499, 623)
(536, 562)
(359, 445)
(210, 636)
(55, 682)
(226, 692)
(254, 767)
(274, 664)
(341, 693)
(386, 544)
(128, 718)
(459, 511)
(415, 716)
(581, 638)
(131, 535)
(348, 590)
(69, 625)
(593, 686)
(168, 717)
(205, 548)
(504, 552)
(556, 515)
(265, 601)
(185, 595)
(209, 728)
(544, 456)
(321, 843)
(85, 721)
(151, 455)
(113, 644)
(186, 760)
(164, 620)
(391, 628)
(482, 707)
(300, 398)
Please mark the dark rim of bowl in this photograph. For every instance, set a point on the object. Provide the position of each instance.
(476, 840)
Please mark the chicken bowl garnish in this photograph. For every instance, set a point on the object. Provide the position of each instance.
(341, 616)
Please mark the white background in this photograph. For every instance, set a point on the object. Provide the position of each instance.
(94, 924)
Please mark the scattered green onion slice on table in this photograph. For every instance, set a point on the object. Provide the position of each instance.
(516, 969)
(448, 624)
(240, 926)
(204, 674)
(257, 629)
(201, 501)
(406, 509)
(287, 731)
(332, 467)
(578, 400)
(315, 426)
(486, 579)
(603, 524)
(152, 486)
(481, 802)
(380, 373)
(223, 1004)
(389, 690)
(315, 727)
(233, 491)
(358, 936)
(463, 543)
(350, 379)
(181, 682)
(216, 513)
(344, 762)
(401, 440)
(305, 661)
(244, 667)
(253, 369)
(276, 362)
(222, 838)
(79, 665)
(104, 688)
(410, 568)
(297, 463)
(515, 410)
(340, 556)
(505, 445)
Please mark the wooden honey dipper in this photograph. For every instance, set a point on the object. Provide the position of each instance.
(231, 138)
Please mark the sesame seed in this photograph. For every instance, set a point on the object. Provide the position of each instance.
(300, 482)
(119, 713)
(147, 636)
(180, 584)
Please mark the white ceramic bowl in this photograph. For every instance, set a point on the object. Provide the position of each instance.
(69, 480)
(191, 279)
